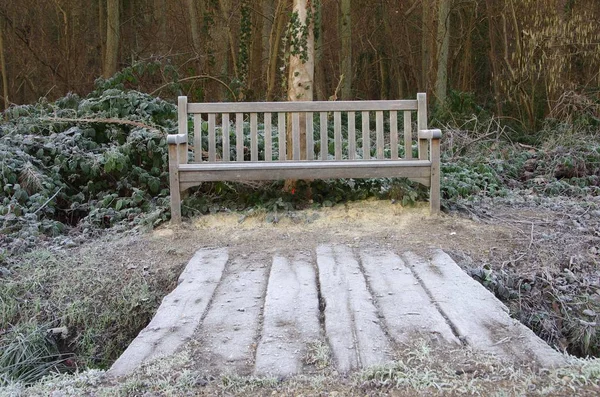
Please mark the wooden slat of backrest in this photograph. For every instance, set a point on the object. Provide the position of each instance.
(324, 137)
(295, 136)
(239, 136)
(197, 138)
(253, 137)
(268, 136)
(394, 135)
(379, 130)
(408, 135)
(310, 144)
(422, 124)
(351, 136)
(366, 136)
(281, 129)
(225, 132)
(337, 133)
(212, 139)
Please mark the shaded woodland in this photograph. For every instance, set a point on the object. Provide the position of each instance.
(522, 59)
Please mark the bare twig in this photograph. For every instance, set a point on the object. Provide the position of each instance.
(201, 76)
(47, 201)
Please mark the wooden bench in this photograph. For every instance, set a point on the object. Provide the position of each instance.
(227, 138)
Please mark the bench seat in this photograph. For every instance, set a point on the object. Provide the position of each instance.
(191, 175)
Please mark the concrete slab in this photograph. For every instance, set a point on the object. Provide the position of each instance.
(228, 335)
(179, 313)
(404, 304)
(291, 316)
(479, 319)
(351, 320)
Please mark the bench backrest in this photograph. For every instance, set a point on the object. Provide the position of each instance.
(256, 131)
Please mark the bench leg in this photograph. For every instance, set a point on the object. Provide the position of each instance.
(174, 185)
(434, 192)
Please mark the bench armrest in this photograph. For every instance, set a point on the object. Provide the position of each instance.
(176, 139)
(430, 134)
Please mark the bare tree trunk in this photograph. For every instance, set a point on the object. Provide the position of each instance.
(160, 15)
(443, 45)
(102, 29)
(268, 11)
(3, 67)
(254, 81)
(113, 28)
(346, 53)
(275, 41)
(320, 83)
(194, 25)
(493, 56)
(226, 13)
(425, 43)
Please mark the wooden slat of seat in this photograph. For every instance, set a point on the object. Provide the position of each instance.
(192, 174)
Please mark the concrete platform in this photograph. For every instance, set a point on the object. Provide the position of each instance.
(259, 314)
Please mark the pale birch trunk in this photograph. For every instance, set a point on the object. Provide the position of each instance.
(301, 75)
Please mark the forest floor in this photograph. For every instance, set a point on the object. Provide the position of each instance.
(539, 255)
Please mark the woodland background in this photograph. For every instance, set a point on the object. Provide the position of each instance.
(524, 60)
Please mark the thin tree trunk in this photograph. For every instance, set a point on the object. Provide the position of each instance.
(319, 69)
(225, 12)
(275, 42)
(194, 25)
(492, 56)
(443, 45)
(3, 67)
(113, 22)
(254, 81)
(268, 11)
(346, 53)
(102, 30)
(425, 45)
(160, 15)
